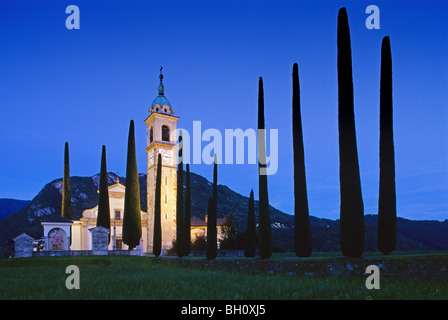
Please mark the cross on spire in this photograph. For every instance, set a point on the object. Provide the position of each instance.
(161, 89)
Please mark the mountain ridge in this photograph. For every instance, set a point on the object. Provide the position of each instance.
(411, 235)
(9, 206)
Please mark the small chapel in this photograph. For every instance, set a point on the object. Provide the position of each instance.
(64, 234)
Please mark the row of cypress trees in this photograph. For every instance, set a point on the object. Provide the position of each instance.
(264, 239)
(352, 210)
(352, 231)
(132, 212)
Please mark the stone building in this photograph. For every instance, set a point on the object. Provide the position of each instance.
(57, 233)
(81, 236)
(199, 227)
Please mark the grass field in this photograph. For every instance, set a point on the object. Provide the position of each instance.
(124, 277)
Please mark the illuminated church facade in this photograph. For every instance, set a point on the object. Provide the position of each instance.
(161, 127)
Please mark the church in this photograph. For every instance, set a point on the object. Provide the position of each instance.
(161, 124)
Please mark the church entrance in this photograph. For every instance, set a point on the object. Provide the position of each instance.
(119, 244)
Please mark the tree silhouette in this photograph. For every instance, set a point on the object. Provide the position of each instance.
(250, 238)
(180, 245)
(187, 220)
(352, 207)
(132, 223)
(66, 210)
(265, 232)
(387, 208)
(302, 228)
(157, 235)
(211, 244)
(103, 217)
(212, 236)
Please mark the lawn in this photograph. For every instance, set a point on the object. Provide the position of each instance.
(124, 278)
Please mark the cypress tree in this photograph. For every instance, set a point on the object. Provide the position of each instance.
(352, 207)
(157, 236)
(212, 235)
(187, 220)
(211, 248)
(215, 188)
(250, 238)
(180, 245)
(265, 232)
(103, 218)
(132, 223)
(66, 210)
(387, 208)
(302, 228)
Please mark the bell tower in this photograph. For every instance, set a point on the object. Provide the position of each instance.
(161, 138)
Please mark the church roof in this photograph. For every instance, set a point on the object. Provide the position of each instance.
(161, 104)
(202, 223)
(116, 187)
(160, 101)
(23, 235)
(56, 218)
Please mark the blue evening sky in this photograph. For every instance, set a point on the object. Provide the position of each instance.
(84, 86)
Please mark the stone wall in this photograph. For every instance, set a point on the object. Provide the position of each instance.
(65, 253)
(406, 268)
(100, 243)
(135, 252)
(62, 253)
(100, 240)
(23, 246)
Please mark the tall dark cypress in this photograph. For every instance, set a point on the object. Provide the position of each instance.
(66, 211)
(212, 235)
(352, 207)
(387, 207)
(103, 218)
(215, 187)
(132, 223)
(187, 219)
(250, 238)
(180, 245)
(211, 247)
(157, 235)
(265, 231)
(302, 228)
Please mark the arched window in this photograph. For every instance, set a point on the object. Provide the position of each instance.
(151, 135)
(165, 133)
(57, 239)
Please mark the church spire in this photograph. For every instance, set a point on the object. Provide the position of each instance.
(161, 88)
(161, 104)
